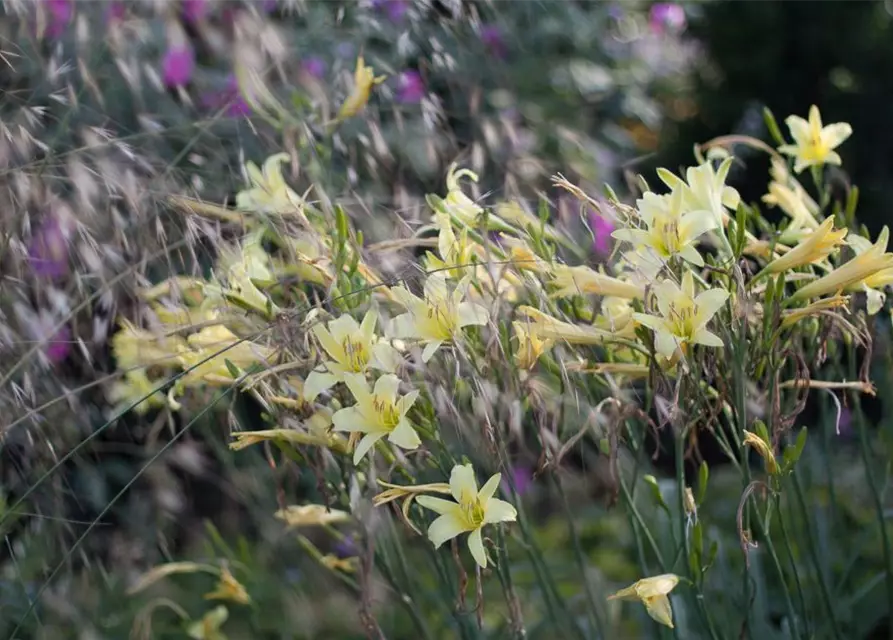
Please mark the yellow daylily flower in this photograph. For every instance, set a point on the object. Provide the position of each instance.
(208, 628)
(134, 386)
(574, 281)
(333, 562)
(813, 143)
(269, 193)
(790, 318)
(351, 348)
(615, 315)
(364, 79)
(472, 510)
(134, 347)
(454, 252)
(312, 437)
(872, 285)
(852, 275)
(437, 318)
(228, 588)
(670, 230)
(788, 200)
(764, 449)
(459, 205)
(218, 344)
(530, 346)
(815, 247)
(683, 315)
(377, 413)
(311, 515)
(545, 327)
(522, 256)
(652, 592)
(705, 189)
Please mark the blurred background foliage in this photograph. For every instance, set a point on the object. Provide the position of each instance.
(107, 107)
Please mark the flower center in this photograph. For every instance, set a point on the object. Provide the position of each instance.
(682, 319)
(667, 240)
(356, 354)
(387, 412)
(472, 511)
(440, 321)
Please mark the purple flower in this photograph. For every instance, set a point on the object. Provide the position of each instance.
(59, 346)
(314, 66)
(48, 251)
(491, 36)
(177, 66)
(845, 422)
(345, 50)
(268, 6)
(522, 478)
(602, 227)
(667, 16)
(395, 9)
(410, 87)
(229, 99)
(116, 11)
(346, 548)
(59, 14)
(194, 10)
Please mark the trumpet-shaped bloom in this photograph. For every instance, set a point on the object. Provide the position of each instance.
(437, 318)
(456, 202)
(228, 588)
(212, 347)
(815, 247)
(377, 413)
(364, 79)
(208, 628)
(669, 229)
(868, 266)
(545, 327)
(469, 513)
(652, 592)
(351, 348)
(705, 189)
(683, 315)
(133, 388)
(764, 449)
(269, 193)
(135, 347)
(814, 144)
(454, 252)
(872, 285)
(574, 281)
(530, 346)
(788, 195)
(311, 515)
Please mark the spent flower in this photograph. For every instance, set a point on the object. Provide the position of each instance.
(653, 592)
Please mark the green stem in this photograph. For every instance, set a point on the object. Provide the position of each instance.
(865, 451)
(813, 555)
(796, 574)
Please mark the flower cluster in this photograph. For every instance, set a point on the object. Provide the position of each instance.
(695, 273)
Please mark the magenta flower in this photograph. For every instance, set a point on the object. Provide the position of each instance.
(522, 478)
(48, 251)
(229, 100)
(395, 9)
(59, 346)
(491, 36)
(59, 15)
(667, 16)
(177, 66)
(314, 67)
(116, 11)
(410, 87)
(602, 227)
(194, 10)
(268, 6)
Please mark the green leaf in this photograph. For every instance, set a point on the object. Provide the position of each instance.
(703, 475)
(792, 452)
(233, 369)
(651, 481)
(772, 126)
